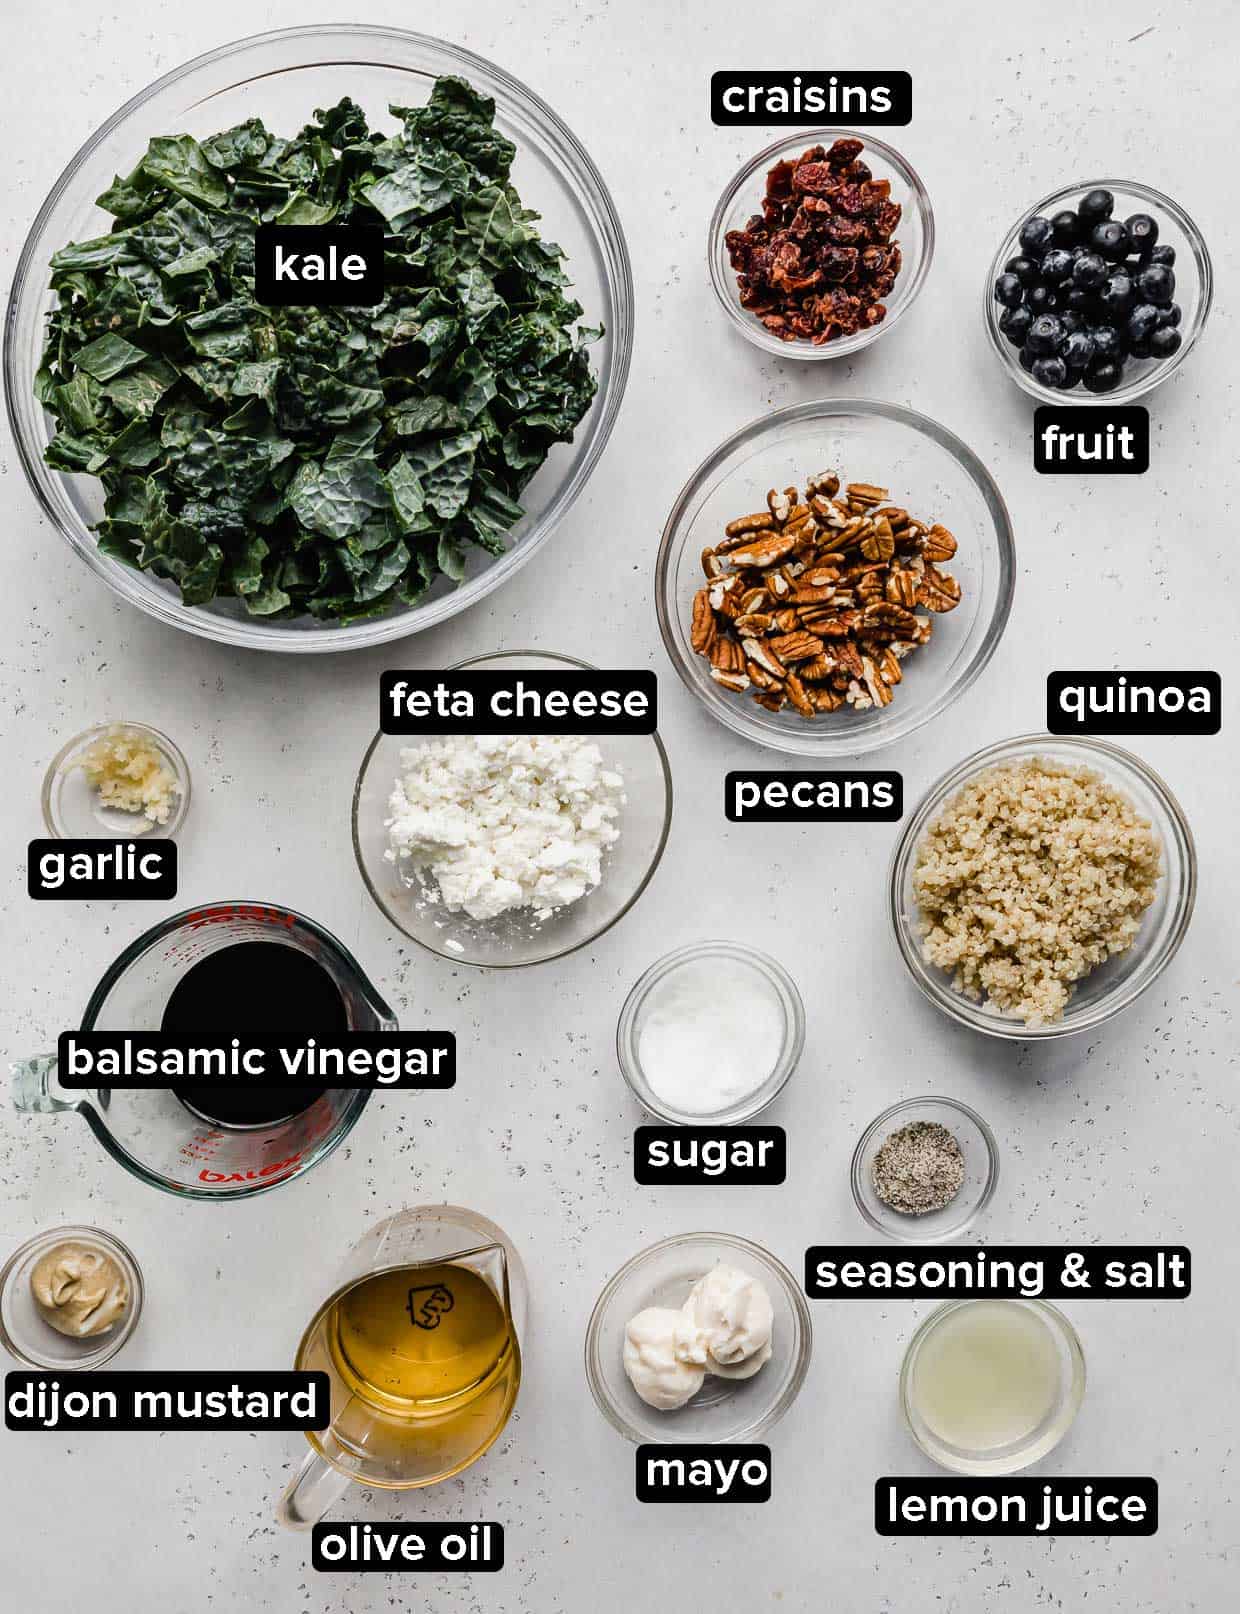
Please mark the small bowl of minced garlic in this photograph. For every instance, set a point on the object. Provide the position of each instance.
(116, 779)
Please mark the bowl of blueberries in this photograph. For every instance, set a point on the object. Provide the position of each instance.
(1098, 293)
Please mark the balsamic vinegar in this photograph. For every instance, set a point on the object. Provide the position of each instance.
(260, 990)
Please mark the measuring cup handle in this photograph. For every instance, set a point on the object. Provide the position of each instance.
(32, 1086)
(311, 1491)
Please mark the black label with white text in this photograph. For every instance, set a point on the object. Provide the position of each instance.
(709, 1154)
(1092, 1506)
(166, 1401)
(318, 265)
(574, 700)
(144, 1060)
(813, 798)
(101, 870)
(746, 99)
(475, 1548)
(703, 1473)
(1098, 440)
(1006, 1271)
(1134, 702)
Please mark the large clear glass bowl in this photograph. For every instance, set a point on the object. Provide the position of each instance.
(742, 199)
(929, 472)
(1122, 979)
(516, 938)
(1194, 289)
(282, 77)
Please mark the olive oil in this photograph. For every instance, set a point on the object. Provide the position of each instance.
(424, 1368)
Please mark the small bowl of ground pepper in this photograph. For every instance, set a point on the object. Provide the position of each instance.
(924, 1170)
(820, 243)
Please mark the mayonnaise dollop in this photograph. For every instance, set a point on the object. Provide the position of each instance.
(724, 1328)
(733, 1315)
(659, 1345)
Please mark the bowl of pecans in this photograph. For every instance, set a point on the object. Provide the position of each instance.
(820, 243)
(834, 576)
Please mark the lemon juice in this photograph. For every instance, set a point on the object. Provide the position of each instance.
(987, 1376)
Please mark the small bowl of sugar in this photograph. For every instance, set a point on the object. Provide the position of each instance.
(710, 1033)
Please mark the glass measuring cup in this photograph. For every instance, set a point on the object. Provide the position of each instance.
(152, 1134)
(421, 1343)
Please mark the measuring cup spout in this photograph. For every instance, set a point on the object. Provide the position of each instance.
(312, 1490)
(32, 1086)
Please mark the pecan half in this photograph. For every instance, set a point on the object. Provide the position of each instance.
(939, 591)
(765, 552)
(793, 647)
(939, 545)
(762, 521)
(702, 631)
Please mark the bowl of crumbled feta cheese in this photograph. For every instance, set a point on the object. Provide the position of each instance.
(509, 849)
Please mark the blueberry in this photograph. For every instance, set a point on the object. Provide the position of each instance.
(1142, 232)
(1042, 299)
(1108, 348)
(1009, 291)
(1164, 342)
(1065, 228)
(1080, 299)
(1078, 351)
(1073, 321)
(1140, 348)
(1025, 270)
(1163, 255)
(1103, 376)
(1116, 295)
(1156, 283)
(1026, 358)
(1050, 372)
(1056, 265)
(1015, 323)
(1035, 236)
(1096, 206)
(1045, 335)
(1142, 322)
(1110, 240)
(1090, 271)
(1170, 316)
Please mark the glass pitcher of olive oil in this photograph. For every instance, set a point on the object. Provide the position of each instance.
(421, 1343)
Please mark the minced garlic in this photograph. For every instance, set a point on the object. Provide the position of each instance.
(130, 774)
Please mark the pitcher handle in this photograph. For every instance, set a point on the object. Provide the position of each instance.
(312, 1490)
(32, 1086)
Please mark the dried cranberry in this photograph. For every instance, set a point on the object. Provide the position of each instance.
(779, 180)
(844, 152)
(839, 262)
(815, 177)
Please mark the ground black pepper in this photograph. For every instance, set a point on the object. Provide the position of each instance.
(919, 1168)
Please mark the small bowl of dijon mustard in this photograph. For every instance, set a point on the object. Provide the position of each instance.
(69, 1299)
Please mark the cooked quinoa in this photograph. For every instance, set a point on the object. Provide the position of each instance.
(1034, 873)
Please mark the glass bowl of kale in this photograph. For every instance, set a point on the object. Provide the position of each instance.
(319, 478)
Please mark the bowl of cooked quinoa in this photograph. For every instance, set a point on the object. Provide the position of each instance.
(1042, 885)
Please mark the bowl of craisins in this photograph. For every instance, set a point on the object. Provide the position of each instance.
(820, 243)
(1097, 293)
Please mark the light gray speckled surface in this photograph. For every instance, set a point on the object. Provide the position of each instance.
(1130, 1136)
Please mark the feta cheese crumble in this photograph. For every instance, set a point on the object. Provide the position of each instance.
(498, 822)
